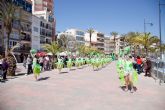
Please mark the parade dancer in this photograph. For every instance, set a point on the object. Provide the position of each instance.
(60, 65)
(69, 63)
(36, 70)
(120, 71)
(128, 73)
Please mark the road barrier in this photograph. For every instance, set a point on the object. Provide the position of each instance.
(158, 70)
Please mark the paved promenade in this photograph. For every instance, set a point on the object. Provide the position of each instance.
(80, 89)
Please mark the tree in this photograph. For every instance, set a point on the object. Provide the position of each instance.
(114, 34)
(146, 40)
(90, 31)
(63, 41)
(7, 11)
(53, 48)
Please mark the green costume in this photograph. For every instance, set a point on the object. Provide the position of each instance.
(69, 63)
(37, 69)
(120, 71)
(60, 64)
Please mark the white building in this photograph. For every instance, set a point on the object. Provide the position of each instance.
(45, 31)
(44, 9)
(117, 44)
(35, 33)
(41, 32)
(78, 35)
(97, 40)
(107, 49)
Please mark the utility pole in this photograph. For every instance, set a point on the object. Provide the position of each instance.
(160, 34)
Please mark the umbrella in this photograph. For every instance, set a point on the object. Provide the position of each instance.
(41, 54)
(33, 51)
(49, 54)
(63, 54)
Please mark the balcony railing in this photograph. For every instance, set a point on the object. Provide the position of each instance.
(26, 29)
(22, 49)
(25, 38)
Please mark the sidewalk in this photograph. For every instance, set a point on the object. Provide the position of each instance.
(80, 89)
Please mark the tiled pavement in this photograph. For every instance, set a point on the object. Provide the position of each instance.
(80, 89)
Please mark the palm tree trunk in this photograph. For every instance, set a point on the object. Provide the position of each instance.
(7, 44)
(2, 38)
(90, 36)
(114, 44)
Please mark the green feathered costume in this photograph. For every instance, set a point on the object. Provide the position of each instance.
(69, 63)
(60, 64)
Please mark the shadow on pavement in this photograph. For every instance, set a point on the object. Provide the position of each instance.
(63, 72)
(129, 88)
(20, 74)
(72, 69)
(43, 78)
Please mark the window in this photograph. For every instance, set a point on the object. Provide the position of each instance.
(80, 33)
(79, 38)
(35, 29)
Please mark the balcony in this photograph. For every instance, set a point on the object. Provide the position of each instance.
(26, 38)
(100, 35)
(26, 29)
(100, 40)
(23, 49)
(42, 42)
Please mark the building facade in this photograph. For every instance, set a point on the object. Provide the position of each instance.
(116, 44)
(107, 45)
(45, 9)
(46, 31)
(35, 33)
(78, 35)
(21, 29)
(119, 44)
(97, 40)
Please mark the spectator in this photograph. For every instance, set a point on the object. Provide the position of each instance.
(41, 62)
(29, 65)
(46, 63)
(5, 67)
(147, 67)
(139, 63)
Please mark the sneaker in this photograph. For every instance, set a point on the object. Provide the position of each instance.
(131, 91)
(126, 89)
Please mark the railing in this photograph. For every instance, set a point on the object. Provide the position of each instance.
(23, 49)
(25, 38)
(158, 69)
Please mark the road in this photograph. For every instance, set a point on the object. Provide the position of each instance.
(80, 89)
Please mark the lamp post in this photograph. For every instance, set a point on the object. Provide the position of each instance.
(151, 24)
(160, 34)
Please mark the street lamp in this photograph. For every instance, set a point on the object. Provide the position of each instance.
(160, 35)
(151, 24)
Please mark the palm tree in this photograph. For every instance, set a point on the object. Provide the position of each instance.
(7, 11)
(114, 34)
(146, 40)
(63, 41)
(130, 39)
(90, 31)
(52, 48)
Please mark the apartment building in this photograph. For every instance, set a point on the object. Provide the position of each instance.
(97, 40)
(78, 35)
(45, 9)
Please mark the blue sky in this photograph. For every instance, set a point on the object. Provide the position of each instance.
(106, 16)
